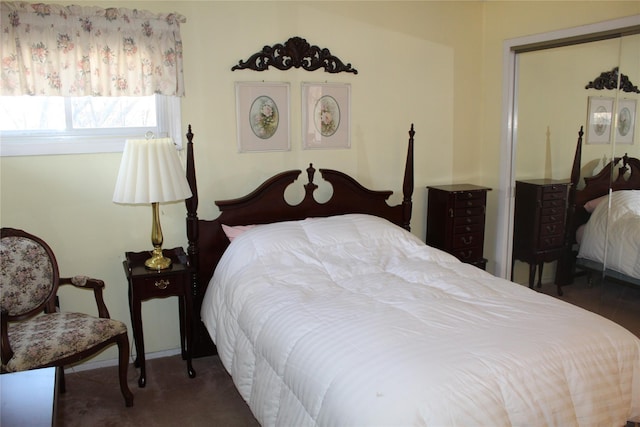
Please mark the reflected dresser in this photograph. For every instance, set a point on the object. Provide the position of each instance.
(539, 223)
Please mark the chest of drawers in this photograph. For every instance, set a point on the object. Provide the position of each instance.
(539, 223)
(455, 221)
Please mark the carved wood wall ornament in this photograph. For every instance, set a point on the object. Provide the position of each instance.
(609, 80)
(295, 52)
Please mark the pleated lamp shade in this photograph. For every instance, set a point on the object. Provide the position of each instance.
(150, 172)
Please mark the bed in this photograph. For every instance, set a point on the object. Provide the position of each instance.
(604, 221)
(335, 314)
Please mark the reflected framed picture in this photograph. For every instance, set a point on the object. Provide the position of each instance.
(262, 116)
(625, 126)
(599, 120)
(326, 115)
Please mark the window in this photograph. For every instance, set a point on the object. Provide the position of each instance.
(37, 125)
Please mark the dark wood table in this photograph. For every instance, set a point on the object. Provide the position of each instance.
(145, 284)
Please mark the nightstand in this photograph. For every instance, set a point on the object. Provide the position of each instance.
(455, 221)
(145, 284)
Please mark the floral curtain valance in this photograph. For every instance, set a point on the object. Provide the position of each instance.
(89, 51)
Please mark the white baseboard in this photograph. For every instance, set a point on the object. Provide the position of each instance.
(114, 362)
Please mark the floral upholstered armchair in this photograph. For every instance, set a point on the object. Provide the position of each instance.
(34, 333)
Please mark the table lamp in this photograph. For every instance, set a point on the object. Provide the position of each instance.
(150, 172)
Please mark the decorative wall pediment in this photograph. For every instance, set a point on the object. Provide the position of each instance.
(609, 80)
(296, 53)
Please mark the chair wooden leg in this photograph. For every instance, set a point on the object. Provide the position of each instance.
(62, 385)
(123, 365)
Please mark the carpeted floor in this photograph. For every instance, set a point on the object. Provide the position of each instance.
(171, 398)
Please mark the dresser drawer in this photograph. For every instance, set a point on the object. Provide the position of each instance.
(551, 242)
(470, 195)
(547, 219)
(477, 211)
(554, 210)
(467, 240)
(460, 221)
(469, 203)
(555, 188)
(554, 203)
(553, 195)
(551, 229)
(473, 227)
(467, 254)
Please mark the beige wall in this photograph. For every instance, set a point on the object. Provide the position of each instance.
(435, 64)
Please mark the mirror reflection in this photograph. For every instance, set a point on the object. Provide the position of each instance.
(551, 211)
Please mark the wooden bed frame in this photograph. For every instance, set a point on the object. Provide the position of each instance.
(612, 176)
(267, 204)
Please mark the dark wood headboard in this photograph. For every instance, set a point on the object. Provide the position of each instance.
(267, 204)
(622, 173)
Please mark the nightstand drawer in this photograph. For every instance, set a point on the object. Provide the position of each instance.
(159, 286)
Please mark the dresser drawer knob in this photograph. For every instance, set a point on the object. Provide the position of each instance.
(450, 213)
(162, 284)
(467, 242)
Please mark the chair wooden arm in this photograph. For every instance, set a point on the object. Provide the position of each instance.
(6, 352)
(87, 282)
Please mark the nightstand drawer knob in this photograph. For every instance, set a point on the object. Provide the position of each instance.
(162, 284)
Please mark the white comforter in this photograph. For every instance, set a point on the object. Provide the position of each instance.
(623, 248)
(352, 321)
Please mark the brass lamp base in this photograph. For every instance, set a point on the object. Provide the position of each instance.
(157, 261)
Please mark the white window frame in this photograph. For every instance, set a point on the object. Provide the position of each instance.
(96, 140)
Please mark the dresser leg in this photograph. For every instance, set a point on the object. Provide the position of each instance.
(532, 274)
(540, 265)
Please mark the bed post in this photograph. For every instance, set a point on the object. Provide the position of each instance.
(192, 234)
(407, 186)
(565, 266)
(575, 169)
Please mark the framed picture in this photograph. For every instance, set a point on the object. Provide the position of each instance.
(326, 115)
(262, 115)
(599, 119)
(626, 123)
